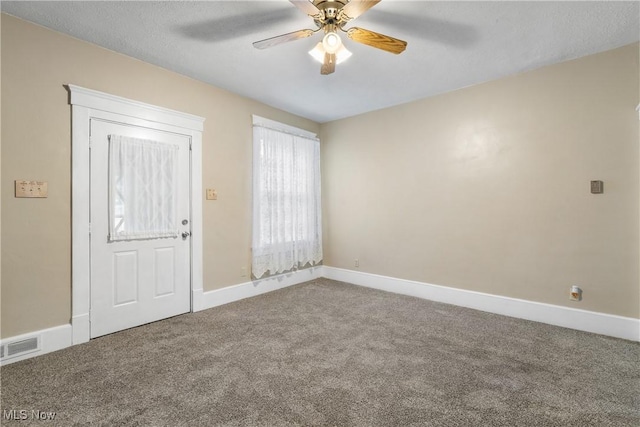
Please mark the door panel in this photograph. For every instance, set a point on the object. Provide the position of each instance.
(135, 282)
(165, 271)
(125, 277)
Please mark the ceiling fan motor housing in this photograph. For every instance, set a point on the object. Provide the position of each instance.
(330, 14)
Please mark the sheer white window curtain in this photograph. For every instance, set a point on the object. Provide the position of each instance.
(287, 230)
(143, 182)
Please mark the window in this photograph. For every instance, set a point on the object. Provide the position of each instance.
(287, 231)
(142, 189)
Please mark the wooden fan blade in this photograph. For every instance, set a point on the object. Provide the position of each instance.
(307, 7)
(377, 40)
(329, 65)
(355, 8)
(273, 41)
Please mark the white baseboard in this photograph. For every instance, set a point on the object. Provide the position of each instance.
(50, 339)
(63, 336)
(582, 320)
(229, 294)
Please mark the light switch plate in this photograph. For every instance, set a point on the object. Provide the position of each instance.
(212, 194)
(32, 189)
(597, 187)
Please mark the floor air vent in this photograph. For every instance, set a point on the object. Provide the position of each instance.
(18, 348)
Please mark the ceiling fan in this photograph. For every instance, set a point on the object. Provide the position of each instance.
(331, 16)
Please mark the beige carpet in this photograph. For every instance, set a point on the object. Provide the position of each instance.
(328, 353)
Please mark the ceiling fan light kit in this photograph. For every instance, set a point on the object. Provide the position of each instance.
(331, 16)
(331, 42)
(318, 52)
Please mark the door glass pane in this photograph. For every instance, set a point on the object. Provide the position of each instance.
(143, 178)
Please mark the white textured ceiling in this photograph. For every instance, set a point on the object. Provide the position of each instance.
(450, 45)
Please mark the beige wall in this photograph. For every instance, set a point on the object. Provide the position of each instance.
(36, 247)
(487, 188)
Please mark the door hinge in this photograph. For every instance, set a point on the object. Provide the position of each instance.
(190, 147)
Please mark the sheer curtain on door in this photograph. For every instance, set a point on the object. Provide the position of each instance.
(287, 230)
(143, 178)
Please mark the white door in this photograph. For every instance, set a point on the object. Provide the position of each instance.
(136, 280)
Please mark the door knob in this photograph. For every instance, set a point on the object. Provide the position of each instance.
(185, 234)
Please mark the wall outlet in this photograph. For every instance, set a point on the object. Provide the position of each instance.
(357, 263)
(575, 293)
(243, 272)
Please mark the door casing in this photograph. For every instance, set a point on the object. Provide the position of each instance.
(85, 105)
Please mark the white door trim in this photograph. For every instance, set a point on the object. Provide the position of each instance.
(85, 105)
